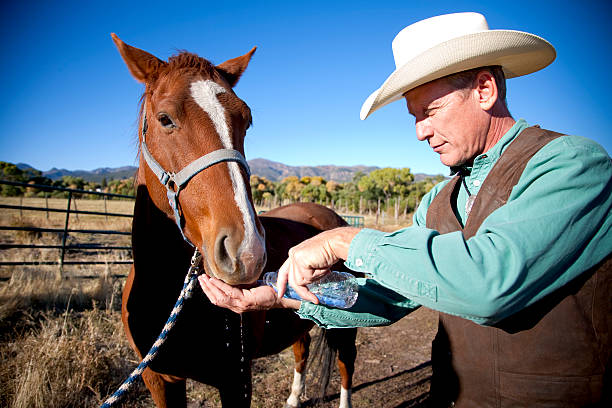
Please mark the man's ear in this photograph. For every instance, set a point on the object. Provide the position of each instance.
(232, 69)
(486, 90)
(142, 65)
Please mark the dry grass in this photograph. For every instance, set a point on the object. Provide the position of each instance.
(62, 345)
(43, 219)
(61, 342)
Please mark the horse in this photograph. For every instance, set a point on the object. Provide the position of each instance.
(193, 191)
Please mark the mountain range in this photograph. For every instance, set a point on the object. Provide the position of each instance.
(271, 170)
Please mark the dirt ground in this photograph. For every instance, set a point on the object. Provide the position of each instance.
(393, 366)
(393, 370)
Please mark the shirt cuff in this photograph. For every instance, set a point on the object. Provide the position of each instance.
(375, 306)
(398, 260)
(362, 249)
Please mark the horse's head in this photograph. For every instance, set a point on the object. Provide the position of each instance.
(192, 157)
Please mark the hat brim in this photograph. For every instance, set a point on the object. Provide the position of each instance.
(518, 53)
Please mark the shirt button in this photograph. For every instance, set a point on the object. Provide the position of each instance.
(358, 262)
(476, 182)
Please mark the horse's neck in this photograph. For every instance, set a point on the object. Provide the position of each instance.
(158, 249)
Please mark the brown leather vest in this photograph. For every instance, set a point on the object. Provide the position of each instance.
(555, 353)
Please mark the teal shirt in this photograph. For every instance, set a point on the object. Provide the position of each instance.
(555, 225)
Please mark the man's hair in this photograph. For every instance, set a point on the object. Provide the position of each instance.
(465, 79)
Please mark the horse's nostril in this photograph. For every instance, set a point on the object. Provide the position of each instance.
(225, 255)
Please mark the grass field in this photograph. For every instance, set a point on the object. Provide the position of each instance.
(61, 341)
(57, 220)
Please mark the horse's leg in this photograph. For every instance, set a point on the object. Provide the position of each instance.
(167, 391)
(344, 341)
(237, 391)
(300, 354)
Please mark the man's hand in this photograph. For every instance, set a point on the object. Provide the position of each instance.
(307, 262)
(242, 300)
(312, 259)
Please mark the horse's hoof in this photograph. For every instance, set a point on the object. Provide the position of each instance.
(287, 405)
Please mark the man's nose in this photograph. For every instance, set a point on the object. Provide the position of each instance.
(423, 130)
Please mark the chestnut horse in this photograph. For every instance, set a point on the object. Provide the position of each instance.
(192, 190)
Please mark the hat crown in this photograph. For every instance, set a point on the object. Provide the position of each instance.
(443, 45)
(425, 34)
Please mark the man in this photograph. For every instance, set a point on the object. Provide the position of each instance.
(514, 251)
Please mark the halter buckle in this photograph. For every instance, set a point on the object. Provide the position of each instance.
(164, 178)
(168, 179)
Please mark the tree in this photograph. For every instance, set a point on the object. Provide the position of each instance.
(314, 193)
(293, 189)
(76, 183)
(10, 172)
(125, 187)
(386, 183)
(261, 188)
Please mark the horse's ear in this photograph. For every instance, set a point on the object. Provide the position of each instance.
(233, 69)
(142, 65)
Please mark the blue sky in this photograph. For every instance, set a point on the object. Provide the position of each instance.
(69, 101)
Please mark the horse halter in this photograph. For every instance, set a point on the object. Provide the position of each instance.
(175, 182)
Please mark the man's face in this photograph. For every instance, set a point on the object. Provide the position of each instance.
(451, 121)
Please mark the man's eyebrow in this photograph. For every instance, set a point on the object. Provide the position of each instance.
(420, 109)
(432, 106)
(410, 109)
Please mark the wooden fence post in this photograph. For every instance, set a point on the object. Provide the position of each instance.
(396, 209)
(76, 209)
(64, 237)
(377, 211)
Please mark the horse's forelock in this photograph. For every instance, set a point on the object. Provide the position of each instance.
(188, 61)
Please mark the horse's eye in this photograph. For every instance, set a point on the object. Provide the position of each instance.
(166, 121)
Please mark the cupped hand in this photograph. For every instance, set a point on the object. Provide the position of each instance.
(238, 300)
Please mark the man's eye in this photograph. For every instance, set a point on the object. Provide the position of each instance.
(166, 121)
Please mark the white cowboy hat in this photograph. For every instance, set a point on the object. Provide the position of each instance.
(451, 43)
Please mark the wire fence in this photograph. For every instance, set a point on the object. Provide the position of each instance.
(69, 238)
(71, 214)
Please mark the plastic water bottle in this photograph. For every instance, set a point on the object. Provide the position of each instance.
(337, 289)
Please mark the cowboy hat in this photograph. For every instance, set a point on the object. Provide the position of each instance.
(451, 43)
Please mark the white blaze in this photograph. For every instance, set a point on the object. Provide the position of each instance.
(205, 94)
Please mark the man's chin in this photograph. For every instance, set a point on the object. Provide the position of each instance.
(449, 161)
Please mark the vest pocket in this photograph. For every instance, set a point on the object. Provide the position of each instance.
(521, 390)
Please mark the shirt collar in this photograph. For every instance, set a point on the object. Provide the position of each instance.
(496, 151)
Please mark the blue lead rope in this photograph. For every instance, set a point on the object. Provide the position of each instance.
(188, 285)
